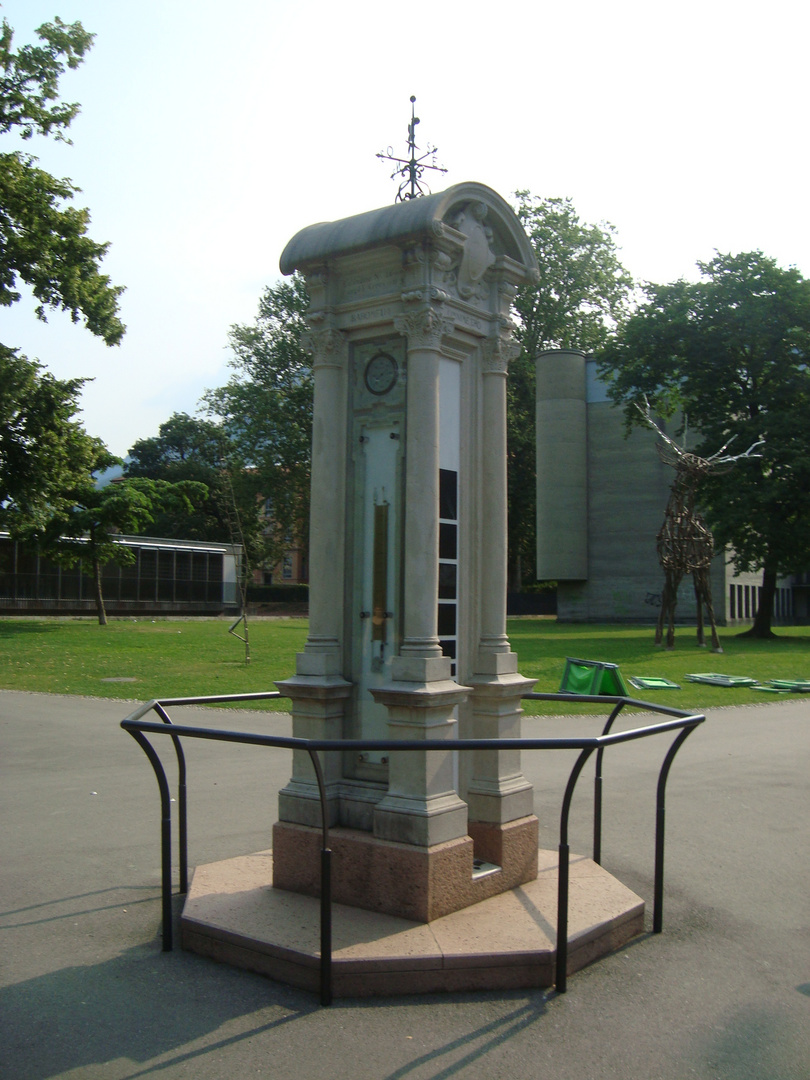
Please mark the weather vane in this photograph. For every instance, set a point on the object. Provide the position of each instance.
(412, 168)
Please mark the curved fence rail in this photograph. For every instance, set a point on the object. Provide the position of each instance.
(680, 723)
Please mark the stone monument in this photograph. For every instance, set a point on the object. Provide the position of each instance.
(435, 870)
(411, 337)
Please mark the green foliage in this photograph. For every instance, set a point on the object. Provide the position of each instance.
(190, 448)
(45, 454)
(583, 288)
(582, 292)
(731, 351)
(266, 412)
(44, 243)
(44, 451)
(30, 78)
(85, 531)
(184, 445)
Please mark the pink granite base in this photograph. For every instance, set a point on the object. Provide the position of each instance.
(410, 882)
(233, 915)
(512, 846)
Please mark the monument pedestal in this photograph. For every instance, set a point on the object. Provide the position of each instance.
(508, 941)
(511, 846)
(416, 883)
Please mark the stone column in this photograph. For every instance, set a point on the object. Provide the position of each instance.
(318, 689)
(422, 806)
(496, 355)
(423, 329)
(327, 532)
(498, 792)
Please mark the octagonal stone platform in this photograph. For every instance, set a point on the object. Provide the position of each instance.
(234, 915)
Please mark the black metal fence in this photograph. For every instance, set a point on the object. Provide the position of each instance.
(680, 723)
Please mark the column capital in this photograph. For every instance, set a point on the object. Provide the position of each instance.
(424, 327)
(499, 351)
(328, 346)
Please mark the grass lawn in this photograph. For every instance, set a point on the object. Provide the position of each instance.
(143, 658)
(543, 645)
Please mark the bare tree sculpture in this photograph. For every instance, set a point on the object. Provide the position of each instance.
(684, 542)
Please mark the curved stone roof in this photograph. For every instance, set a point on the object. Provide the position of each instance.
(408, 221)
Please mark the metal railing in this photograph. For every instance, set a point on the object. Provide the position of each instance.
(682, 723)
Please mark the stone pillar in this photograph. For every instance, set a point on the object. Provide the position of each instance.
(423, 329)
(318, 690)
(496, 355)
(498, 792)
(323, 651)
(422, 806)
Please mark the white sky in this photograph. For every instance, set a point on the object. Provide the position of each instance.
(210, 133)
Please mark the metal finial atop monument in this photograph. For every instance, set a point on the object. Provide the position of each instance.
(412, 168)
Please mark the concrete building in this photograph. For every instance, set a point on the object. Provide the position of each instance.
(600, 503)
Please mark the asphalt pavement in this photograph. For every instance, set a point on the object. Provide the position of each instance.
(86, 992)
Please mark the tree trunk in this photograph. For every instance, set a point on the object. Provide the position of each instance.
(102, 614)
(764, 613)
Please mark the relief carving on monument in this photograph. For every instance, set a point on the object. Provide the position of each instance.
(328, 347)
(499, 351)
(424, 328)
(477, 256)
(317, 284)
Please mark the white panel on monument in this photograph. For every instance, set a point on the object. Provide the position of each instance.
(449, 414)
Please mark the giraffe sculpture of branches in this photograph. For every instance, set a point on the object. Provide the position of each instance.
(685, 543)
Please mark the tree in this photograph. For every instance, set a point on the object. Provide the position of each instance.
(44, 450)
(43, 242)
(582, 292)
(266, 412)
(191, 448)
(85, 533)
(731, 350)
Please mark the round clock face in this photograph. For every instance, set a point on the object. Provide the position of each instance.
(381, 373)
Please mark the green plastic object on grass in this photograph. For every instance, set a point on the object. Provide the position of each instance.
(593, 677)
(652, 682)
(713, 678)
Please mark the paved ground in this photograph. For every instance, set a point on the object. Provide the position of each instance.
(86, 993)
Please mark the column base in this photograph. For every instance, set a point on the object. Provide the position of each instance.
(318, 710)
(420, 822)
